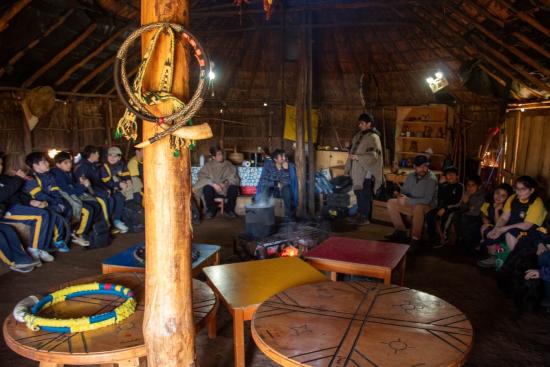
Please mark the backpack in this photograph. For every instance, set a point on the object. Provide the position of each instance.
(133, 215)
(99, 235)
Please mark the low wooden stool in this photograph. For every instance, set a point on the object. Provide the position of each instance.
(120, 344)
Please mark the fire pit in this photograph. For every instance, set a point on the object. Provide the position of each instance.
(292, 240)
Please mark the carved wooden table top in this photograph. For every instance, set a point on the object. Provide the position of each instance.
(361, 324)
(119, 342)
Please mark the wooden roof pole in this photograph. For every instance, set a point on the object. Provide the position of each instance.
(74, 44)
(168, 326)
(90, 56)
(59, 21)
(481, 47)
(520, 54)
(526, 40)
(12, 12)
(104, 65)
(526, 18)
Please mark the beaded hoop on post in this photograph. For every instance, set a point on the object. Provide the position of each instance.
(85, 323)
(138, 100)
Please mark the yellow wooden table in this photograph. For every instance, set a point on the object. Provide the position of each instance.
(242, 287)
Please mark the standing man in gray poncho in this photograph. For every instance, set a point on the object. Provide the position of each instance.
(365, 166)
(218, 179)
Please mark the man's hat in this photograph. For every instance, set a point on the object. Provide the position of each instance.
(114, 151)
(420, 160)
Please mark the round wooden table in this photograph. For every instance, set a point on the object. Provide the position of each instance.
(120, 344)
(361, 324)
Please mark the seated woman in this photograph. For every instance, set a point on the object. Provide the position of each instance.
(522, 211)
(218, 178)
(277, 180)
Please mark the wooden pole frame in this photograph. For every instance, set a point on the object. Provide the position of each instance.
(168, 326)
(13, 60)
(71, 46)
(11, 13)
(90, 56)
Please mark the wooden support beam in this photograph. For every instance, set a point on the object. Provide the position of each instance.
(104, 65)
(58, 22)
(301, 95)
(90, 56)
(526, 18)
(520, 54)
(11, 13)
(168, 326)
(75, 43)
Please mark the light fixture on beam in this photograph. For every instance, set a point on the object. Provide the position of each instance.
(53, 152)
(437, 82)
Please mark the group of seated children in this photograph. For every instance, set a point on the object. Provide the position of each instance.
(219, 180)
(43, 210)
(496, 224)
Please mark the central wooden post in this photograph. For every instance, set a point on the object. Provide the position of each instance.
(168, 325)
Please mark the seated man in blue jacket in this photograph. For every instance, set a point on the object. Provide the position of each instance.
(276, 180)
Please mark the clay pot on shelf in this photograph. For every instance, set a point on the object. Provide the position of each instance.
(236, 157)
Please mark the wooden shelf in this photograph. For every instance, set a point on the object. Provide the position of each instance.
(420, 138)
(419, 153)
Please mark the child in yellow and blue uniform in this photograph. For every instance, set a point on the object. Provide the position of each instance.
(88, 168)
(116, 178)
(45, 229)
(492, 210)
(12, 251)
(42, 186)
(91, 210)
(523, 211)
(135, 167)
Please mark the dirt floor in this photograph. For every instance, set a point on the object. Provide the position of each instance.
(500, 338)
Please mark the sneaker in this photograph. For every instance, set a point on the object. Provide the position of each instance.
(38, 254)
(361, 220)
(490, 262)
(23, 268)
(397, 236)
(80, 241)
(230, 215)
(120, 226)
(114, 231)
(61, 246)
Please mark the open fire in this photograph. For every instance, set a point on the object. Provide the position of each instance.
(290, 251)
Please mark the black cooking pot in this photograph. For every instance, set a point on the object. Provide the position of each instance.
(259, 220)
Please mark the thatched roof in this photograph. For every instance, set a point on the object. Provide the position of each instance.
(70, 45)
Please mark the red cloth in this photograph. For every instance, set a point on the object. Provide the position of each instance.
(354, 250)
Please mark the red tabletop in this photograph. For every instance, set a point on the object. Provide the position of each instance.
(378, 253)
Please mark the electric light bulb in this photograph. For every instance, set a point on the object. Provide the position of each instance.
(211, 75)
(430, 80)
(439, 75)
